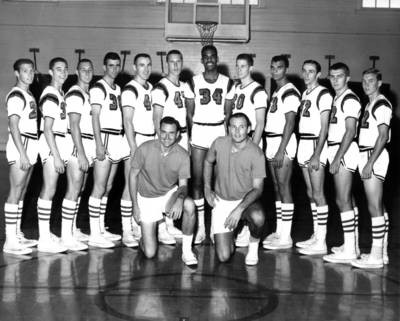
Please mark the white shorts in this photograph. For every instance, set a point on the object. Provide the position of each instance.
(44, 149)
(30, 145)
(220, 213)
(184, 141)
(88, 144)
(350, 158)
(380, 166)
(152, 208)
(139, 138)
(273, 144)
(115, 146)
(306, 149)
(204, 135)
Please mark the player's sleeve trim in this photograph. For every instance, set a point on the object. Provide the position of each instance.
(230, 85)
(163, 88)
(51, 97)
(17, 94)
(131, 89)
(290, 92)
(349, 96)
(380, 103)
(76, 93)
(255, 92)
(322, 93)
(100, 86)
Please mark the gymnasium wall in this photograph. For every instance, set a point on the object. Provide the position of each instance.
(302, 28)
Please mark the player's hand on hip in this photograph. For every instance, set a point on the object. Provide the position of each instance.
(211, 197)
(233, 219)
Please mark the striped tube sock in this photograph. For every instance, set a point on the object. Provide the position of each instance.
(200, 213)
(378, 232)
(322, 212)
(287, 216)
(347, 219)
(94, 215)
(44, 212)
(74, 223)
(68, 213)
(103, 208)
(11, 214)
(356, 211)
(278, 209)
(385, 238)
(19, 218)
(314, 216)
(126, 215)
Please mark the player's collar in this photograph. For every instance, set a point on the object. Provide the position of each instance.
(208, 81)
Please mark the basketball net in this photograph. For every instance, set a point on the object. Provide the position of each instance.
(206, 29)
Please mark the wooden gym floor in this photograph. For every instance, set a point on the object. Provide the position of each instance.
(119, 284)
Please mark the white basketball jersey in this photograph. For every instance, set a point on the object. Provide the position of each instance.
(110, 101)
(285, 100)
(248, 99)
(376, 113)
(77, 101)
(313, 104)
(136, 96)
(210, 98)
(21, 103)
(172, 99)
(52, 104)
(344, 106)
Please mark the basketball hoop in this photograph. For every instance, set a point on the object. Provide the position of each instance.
(206, 29)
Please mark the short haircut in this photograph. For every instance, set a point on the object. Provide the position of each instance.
(209, 47)
(174, 52)
(373, 71)
(55, 60)
(82, 61)
(170, 121)
(340, 66)
(22, 61)
(283, 58)
(313, 62)
(247, 57)
(239, 115)
(141, 55)
(111, 56)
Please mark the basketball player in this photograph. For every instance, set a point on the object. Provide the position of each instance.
(213, 94)
(343, 155)
(105, 99)
(250, 99)
(52, 151)
(21, 153)
(281, 150)
(158, 184)
(138, 124)
(312, 153)
(373, 164)
(81, 146)
(169, 98)
(239, 179)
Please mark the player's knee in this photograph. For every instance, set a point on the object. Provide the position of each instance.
(223, 255)
(189, 208)
(257, 218)
(149, 251)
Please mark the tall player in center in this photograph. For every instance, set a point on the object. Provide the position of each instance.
(213, 94)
